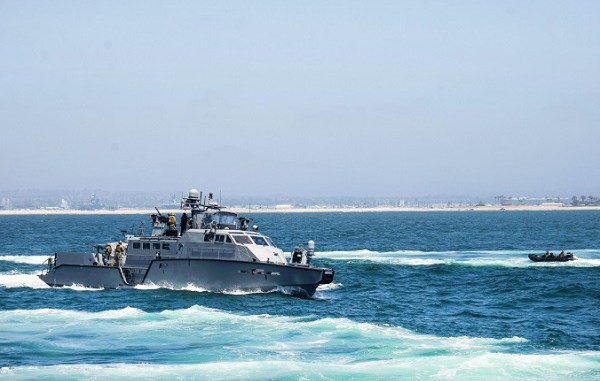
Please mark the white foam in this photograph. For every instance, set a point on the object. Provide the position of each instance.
(69, 316)
(79, 287)
(499, 258)
(27, 259)
(148, 286)
(488, 366)
(329, 286)
(194, 288)
(15, 280)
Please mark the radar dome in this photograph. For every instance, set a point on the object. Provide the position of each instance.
(193, 193)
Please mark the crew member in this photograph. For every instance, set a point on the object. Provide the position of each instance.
(107, 252)
(184, 223)
(118, 254)
(172, 222)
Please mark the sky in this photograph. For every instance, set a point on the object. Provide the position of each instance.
(304, 98)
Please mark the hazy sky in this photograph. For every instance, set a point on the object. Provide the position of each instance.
(315, 98)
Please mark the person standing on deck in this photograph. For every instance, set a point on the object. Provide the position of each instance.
(118, 254)
(107, 253)
(184, 223)
(171, 221)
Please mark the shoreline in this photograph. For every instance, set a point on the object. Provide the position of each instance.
(125, 211)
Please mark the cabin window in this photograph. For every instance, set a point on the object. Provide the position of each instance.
(260, 241)
(146, 245)
(242, 239)
(136, 245)
(208, 237)
(270, 241)
(228, 239)
(156, 246)
(226, 219)
(166, 246)
(220, 238)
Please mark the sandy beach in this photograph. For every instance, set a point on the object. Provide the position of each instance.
(307, 210)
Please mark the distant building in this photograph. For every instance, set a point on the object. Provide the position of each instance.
(93, 203)
(553, 204)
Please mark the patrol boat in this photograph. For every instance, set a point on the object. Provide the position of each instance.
(214, 250)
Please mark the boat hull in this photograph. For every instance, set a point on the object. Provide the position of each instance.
(209, 274)
(84, 275)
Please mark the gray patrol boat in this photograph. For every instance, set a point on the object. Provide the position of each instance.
(214, 250)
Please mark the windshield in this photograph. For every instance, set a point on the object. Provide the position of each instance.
(260, 241)
(242, 239)
(270, 241)
(220, 218)
(226, 219)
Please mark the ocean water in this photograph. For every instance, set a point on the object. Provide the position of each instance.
(416, 296)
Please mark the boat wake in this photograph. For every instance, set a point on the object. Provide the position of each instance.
(500, 258)
(17, 280)
(14, 279)
(26, 259)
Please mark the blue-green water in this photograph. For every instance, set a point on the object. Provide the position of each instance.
(433, 295)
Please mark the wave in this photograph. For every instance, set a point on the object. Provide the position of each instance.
(44, 317)
(222, 345)
(498, 258)
(16, 280)
(329, 286)
(26, 259)
(566, 366)
(193, 288)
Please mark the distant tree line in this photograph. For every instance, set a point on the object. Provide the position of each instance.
(585, 201)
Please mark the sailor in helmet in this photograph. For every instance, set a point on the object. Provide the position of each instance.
(107, 252)
(119, 253)
(172, 222)
(171, 225)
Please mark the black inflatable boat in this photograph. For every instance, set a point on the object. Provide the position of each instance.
(551, 258)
